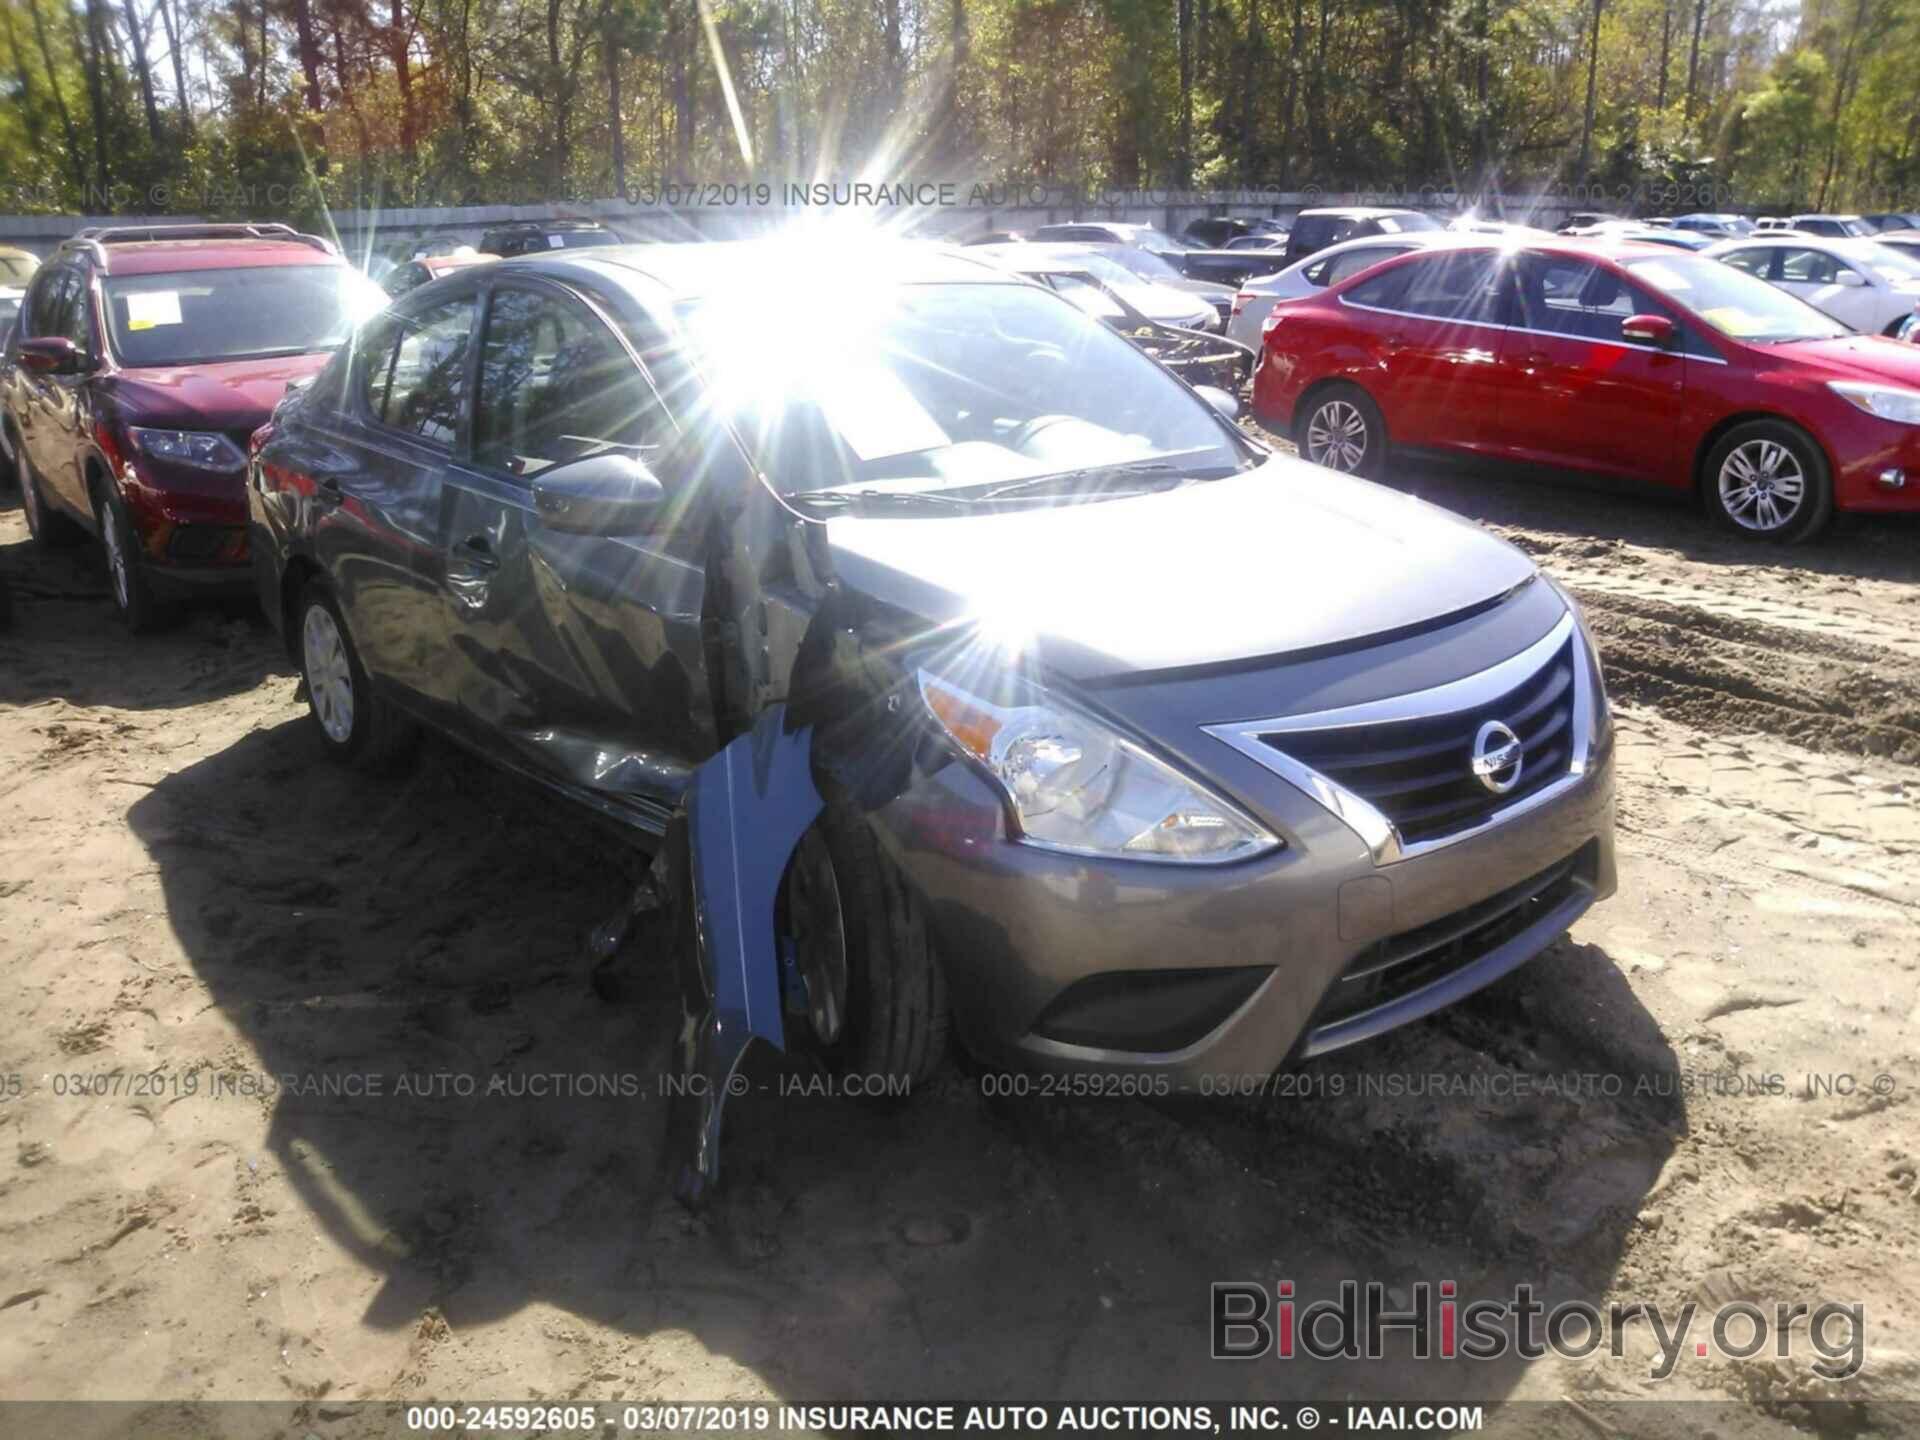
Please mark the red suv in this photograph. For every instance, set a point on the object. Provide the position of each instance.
(144, 358)
(1618, 358)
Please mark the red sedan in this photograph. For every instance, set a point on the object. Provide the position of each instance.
(1623, 359)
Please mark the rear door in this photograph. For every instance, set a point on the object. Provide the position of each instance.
(1586, 397)
(1436, 323)
(376, 477)
(576, 656)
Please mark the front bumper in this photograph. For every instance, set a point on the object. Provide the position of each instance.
(1201, 974)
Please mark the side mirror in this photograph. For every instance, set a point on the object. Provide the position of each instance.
(1227, 405)
(1651, 329)
(52, 355)
(1851, 279)
(612, 493)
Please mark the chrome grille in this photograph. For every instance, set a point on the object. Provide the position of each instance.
(1419, 773)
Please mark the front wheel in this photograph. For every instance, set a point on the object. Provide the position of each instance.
(866, 995)
(133, 595)
(1768, 480)
(356, 726)
(1341, 428)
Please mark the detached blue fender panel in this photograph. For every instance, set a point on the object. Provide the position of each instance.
(747, 808)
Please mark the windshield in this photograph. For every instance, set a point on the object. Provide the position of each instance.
(206, 316)
(917, 388)
(1153, 239)
(1891, 265)
(1144, 264)
(1733, 302)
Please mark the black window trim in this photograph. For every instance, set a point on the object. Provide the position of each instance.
(542, 284)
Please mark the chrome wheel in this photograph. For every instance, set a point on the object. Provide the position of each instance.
(818, 926)
(117, 560)
(29, 493)
(1762, 485)
(1337, 436)
(329, 675)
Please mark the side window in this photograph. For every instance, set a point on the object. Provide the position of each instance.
(1318, 272)
(77, 320)
(428, 383)
(555, 385)
(373, 349)
(1808, 267)
(1386, 291)
(1352, 262)
(1458, 288)
(50, 307)
(1754, 261)
(1564, 296)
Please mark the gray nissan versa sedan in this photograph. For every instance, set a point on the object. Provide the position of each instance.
(1144, 751)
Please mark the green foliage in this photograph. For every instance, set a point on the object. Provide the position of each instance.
(351, 103)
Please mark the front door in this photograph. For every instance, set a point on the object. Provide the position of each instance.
(576, 656)
(1588, 397)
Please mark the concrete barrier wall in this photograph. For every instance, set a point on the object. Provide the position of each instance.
(969, 216)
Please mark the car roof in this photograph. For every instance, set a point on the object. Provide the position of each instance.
(694, 268)
(159, 257)
(1359, 212)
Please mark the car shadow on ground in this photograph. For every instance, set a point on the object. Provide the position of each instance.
(66, 642)
(429, 927)
(1598, 516)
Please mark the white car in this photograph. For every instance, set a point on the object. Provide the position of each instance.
(1257, 294)
(1862, 283)
(1163, 303)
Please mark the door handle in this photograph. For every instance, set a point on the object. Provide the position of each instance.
(1394, 342)
(1538, 358)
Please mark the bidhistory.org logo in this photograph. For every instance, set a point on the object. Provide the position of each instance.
(1251, 1323)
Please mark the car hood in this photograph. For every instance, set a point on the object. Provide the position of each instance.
(237, 395)
(1164, 303)
(1284, 558)
(1858, 357)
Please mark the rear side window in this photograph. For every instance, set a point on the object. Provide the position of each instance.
(428, 383)
(1352, 262)
(1461, 288)
(555, 385)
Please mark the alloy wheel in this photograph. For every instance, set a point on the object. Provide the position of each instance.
(819, 930)
(1337, 436)
(117, 559)
(329, 676)
(1762, 485)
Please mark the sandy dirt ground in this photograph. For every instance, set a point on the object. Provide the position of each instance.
(189, 894)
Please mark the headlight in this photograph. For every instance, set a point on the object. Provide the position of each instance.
(1075, 785)
(1885, 401)
(202, 449)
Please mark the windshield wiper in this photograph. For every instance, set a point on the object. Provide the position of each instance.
(875, 499)
(1075, 477)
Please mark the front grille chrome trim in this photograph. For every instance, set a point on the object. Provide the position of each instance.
(1255, 740)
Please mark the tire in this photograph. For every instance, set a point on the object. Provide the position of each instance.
(132, 592)
(49, 528)
(846, 905)
(355, 726)
(1768, 480)
(1341, 428)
